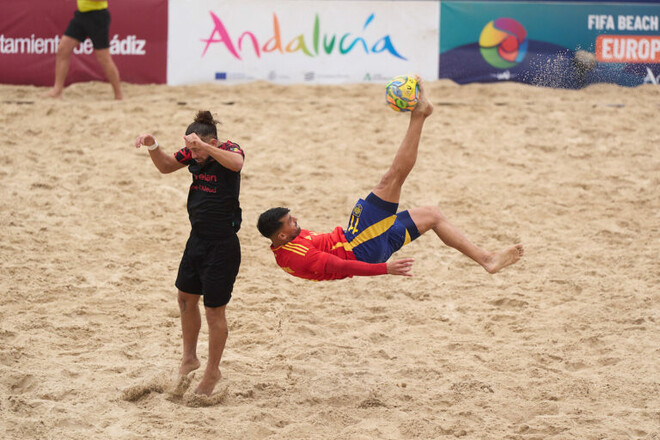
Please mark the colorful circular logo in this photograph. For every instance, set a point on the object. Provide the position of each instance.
(503, 43)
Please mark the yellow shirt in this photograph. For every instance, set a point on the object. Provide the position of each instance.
(90, 5)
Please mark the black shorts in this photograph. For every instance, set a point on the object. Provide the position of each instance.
(209, 267)
(92, 24)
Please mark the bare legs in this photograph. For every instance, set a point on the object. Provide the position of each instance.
(430, 217)
(427, 218)
(191, 323)
(389, 187)
(110, 70)
(215, 317)
(63, 60)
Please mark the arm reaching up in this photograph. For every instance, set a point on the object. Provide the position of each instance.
(165, 163)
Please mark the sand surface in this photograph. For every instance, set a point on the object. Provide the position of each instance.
(563, 345)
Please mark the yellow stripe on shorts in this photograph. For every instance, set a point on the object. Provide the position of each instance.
(373, 231)
(407, 240)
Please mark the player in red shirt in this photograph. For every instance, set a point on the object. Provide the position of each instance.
(375, 229)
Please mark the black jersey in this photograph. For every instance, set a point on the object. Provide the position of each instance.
(213, 206)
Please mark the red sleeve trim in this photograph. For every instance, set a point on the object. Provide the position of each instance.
(183, 156)
(234, 148)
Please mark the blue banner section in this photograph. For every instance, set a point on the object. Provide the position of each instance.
(555, 44)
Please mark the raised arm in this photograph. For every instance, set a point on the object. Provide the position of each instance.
(166, 163)
(227, 159)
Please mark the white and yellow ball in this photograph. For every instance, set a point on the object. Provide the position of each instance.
(402, 92)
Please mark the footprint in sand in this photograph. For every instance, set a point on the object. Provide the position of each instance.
(137, 392)
(178, 391)
(159, 384)
(182, 385)
(198, 400)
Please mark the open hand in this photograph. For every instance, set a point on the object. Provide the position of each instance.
(400, 267)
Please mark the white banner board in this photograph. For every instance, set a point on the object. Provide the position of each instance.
(295, 41)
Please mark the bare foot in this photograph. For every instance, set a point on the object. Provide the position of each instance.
(424, 106)
(119, 96)
(53, 93)
(188, 365)
(208, 382)
(499, 260)
(182, 385)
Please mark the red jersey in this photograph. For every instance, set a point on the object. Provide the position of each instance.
(321, 257)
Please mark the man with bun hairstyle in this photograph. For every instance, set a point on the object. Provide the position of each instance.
(212, 256)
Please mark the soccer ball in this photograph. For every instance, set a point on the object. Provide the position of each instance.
(401, 93)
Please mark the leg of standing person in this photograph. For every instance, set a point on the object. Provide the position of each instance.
(62, 61)
(110, 70)
(218, 332)
(191, 322)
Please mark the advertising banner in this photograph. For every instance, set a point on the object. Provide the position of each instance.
(30, 32)
(295, 41)
(550, 44)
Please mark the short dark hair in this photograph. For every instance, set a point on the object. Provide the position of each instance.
(269, 221)
(204, 125)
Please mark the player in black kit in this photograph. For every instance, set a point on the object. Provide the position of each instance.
(212, 256)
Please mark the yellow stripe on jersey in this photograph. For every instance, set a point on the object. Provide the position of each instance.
(300, 247)
(89, 5)
(296, 249)
(373, 231)
(346, 246)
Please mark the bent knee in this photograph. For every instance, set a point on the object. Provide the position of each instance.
(67, 46)
(427, 217)
(215, 312)
(434, 214)
(184, 298)
(103, 56)
(64, 52)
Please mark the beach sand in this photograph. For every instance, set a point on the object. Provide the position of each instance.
(563, 345)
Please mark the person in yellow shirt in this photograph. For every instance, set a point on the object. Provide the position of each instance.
(91, 19)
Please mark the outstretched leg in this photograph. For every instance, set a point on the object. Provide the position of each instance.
(389, 187)
(430, 217)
